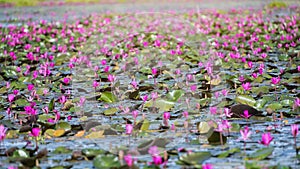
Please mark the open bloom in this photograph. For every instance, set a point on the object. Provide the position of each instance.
(11, 97)
(2, 132)
(157, 160)
(266, 139)
(246, 86)
(111, 78)
(275, 80)
(245, 133)
(35, 132)
(246, 114)
(227, 112)
(294, 130)
(213, 110)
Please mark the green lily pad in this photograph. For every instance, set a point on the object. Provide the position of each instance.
(106, 161)
(260, 103)
(108, 97)
(62, 150)
(162, 105)
(22, 102)
(63, 125)
(51, 105)
(21, 153)
(229, 152)
(261, 153)
(215, 139)
(90, 153)
(175, 95)
(245, 99)
(275, 106)
(196, 158)
(111, 111)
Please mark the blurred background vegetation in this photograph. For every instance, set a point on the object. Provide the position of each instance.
(272, 4)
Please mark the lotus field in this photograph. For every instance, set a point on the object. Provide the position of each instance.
(194, 88)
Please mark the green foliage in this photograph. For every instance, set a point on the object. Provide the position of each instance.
(277, 4)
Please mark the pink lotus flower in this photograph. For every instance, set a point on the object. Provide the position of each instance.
(2, 132)
(213, 110)
(185, 114)
(95, 84)
(15, 92)
(154, 96)
(129, 160)
(246, 86)
(227, 112)
(135, 114)
(294, 130)
(275, 80)
(134, 84)
(193, 88)
(224, 92)
(207, 166)
(157, 160)
(30, 87)
(241, 78)
(246, 114)
(129, 128)
(266, 139)
(245, 133)
(35, 132)
(250, 64)
(153, 151)
(111, 78)
(11, 97)
(166, 115)
(154, 71)
(145, 98)
(66, 80)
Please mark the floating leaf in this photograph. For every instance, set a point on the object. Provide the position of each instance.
(260, 103)
(111, 111)
(108, 97)
(235, 127)
(49, 132)
(51, 105)
(62, 150)
(21, 153)
(63, 125)
(245, 99)
(80, 133)
(238, 110)
(261, 153)
(95, 135)
(204, 127)
(229, 152)
(92, 152)
(275, 106)
(261, 89)
(215, 138)
(22, 102)
(175, 95)
(58, 133)
(106, 161)
(196, 158)
(162, 105)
